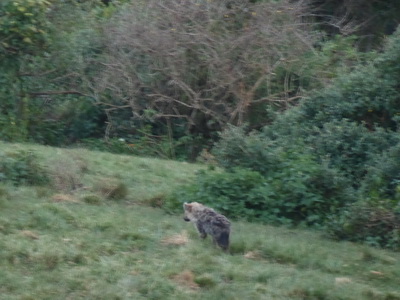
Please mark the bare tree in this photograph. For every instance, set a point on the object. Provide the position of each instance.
(370, 20)
(207, 63)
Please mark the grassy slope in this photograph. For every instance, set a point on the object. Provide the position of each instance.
(127, 250)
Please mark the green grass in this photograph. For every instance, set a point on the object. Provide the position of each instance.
(57, 244)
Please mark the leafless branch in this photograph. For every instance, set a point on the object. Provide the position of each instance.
(47, 93)
(205, 62)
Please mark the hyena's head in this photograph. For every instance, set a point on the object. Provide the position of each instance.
(191, 210)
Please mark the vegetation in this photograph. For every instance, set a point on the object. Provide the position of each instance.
(59, 244)
(294, 105)
(78, 71)
(333, 154)
(21, 168)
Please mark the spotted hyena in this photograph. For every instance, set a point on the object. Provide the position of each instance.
(208, 221)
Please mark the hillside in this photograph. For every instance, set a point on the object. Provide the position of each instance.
(96, 231)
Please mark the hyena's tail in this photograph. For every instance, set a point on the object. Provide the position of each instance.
(223, 240)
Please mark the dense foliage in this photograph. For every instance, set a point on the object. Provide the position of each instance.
(21, 168)
(169, 81)
(41, 100)
(376, 224)
(331, 161)
(298, 100)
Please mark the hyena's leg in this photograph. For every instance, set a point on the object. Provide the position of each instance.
(201, 230)
(223, 240)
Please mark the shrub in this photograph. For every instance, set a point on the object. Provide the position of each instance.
(118, 192)
(314, 169)
(236, 148)
(349, 146)
(383, 176)
(63, 121)
(346, 145)
(22, 167)
(67, 173)
(376, 224)
(306, 167)
(112, 189)
(227, 192)
(307, 191)
(290, 196)
(369, 95)
(92, 199)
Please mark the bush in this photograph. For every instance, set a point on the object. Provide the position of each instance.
(227, 192)
(383, 176)
(67, 173)
(118, 192)
(369, 95)
(22, 167)
(338, 146)
(312, 172)
(64, 121)
(344, 145)
(376, 224)
(291, 196)
(349, 146)
(112, 189)
(236, 148)
(92, 199)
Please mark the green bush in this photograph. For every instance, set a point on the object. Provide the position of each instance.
(112, 189)
(345, 145)
(227, 192)
(236, 148)
(118, 192)
(311, 172)
(21, 167)
(349, 146)
(369, 95)
(376, 224)
(302, 192)
(92, 199)
(383, 176)
(335, 154)
(64, 121)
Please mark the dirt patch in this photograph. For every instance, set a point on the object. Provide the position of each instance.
(255, 255)
(64, 198)
(342, 280)
(177, 239)
(29, 234)
(186, 280)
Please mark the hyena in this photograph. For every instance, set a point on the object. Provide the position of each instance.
(208, 221)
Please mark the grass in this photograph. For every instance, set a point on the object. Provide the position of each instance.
(76, 243)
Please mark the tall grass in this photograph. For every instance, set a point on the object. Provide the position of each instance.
(56, 245)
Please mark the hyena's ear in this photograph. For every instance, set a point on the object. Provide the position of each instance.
(187, 207)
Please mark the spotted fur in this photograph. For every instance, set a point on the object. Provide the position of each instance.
(208, 221)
